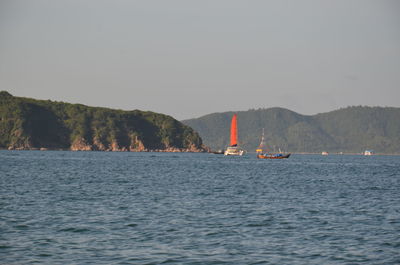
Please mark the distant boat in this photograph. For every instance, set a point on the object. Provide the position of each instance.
(264, 155)
(219, 152)
(324, 153)
(273, 156)
(233, 149)
(368, 152)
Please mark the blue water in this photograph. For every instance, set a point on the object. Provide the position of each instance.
(168, 208)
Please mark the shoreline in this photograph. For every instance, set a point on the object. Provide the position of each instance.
(125, 151)
(184, 150)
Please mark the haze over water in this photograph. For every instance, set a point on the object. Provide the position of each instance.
(154, 208)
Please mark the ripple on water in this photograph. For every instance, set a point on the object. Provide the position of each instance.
(75, 230)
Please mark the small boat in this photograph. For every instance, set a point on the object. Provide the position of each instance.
(368, 152)
(273, 156)
(324, 153)
(264, 155)
(219, 152)
(233, 149)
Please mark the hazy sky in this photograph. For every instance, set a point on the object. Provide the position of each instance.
(191, 58)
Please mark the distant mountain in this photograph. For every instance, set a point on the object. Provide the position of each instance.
(352, 129)
(27, 123)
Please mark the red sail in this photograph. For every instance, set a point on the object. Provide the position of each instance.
(234, 131)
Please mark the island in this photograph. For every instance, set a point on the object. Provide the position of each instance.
(31, 124)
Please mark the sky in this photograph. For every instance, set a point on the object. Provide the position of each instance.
(190, 58)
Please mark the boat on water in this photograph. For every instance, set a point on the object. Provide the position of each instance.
(273, 156)
(265, 155)
(368, 152)
(234, 149)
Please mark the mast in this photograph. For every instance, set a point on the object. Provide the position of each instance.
(234, 131)
(260, 148)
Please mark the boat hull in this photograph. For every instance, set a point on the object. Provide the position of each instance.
(274, 156)
(233, 151)
(238, 153)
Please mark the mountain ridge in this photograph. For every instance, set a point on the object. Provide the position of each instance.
(352, 129)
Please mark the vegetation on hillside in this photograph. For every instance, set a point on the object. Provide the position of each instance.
(27, 123)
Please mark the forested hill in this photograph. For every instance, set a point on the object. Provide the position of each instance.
(42, 124)
(352, 129)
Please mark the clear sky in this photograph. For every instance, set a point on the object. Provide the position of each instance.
(190, 58)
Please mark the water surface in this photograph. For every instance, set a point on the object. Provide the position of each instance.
(168, 208)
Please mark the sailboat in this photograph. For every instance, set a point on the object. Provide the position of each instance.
(265, 155)
(233, 149)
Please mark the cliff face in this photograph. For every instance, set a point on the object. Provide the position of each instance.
(27, 124)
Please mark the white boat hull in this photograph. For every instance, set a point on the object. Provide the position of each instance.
(233, 151)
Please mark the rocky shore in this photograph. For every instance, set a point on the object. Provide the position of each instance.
(138, 146)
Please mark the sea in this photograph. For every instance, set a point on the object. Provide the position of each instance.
(60, 207)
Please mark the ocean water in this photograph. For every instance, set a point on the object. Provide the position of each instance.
(169, 208)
